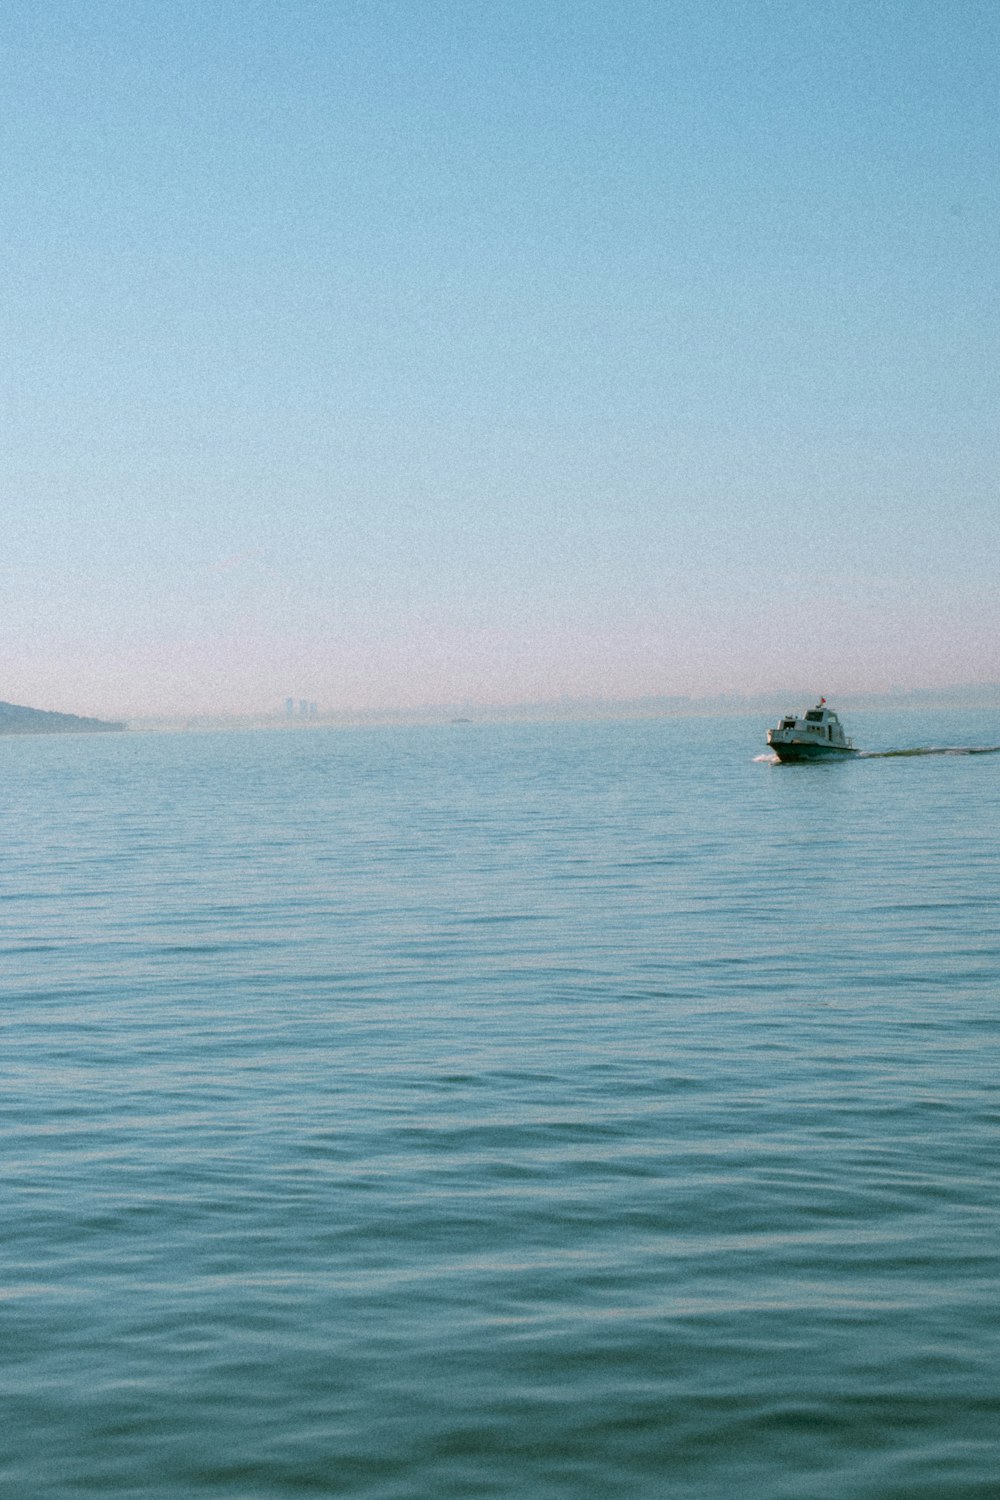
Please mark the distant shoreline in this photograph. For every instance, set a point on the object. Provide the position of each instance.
(983, 697)
(15, 718)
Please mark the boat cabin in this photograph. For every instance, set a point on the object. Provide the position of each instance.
(821, 721)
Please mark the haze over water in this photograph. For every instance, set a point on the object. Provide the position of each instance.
(558, 1111)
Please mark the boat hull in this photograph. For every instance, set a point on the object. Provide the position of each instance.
(806, 751)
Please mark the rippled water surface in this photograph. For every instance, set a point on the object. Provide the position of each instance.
(549, 1111)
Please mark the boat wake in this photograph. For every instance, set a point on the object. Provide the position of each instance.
(769, 758)
(930, 750)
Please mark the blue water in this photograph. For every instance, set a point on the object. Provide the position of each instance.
(546, 1111)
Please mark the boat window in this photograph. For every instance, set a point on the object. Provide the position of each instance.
(829, 731)
(788, 724)
(814, 715)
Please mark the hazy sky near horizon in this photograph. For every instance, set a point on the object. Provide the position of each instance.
(396, 353)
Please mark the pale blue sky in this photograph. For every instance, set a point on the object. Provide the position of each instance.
(399, 353)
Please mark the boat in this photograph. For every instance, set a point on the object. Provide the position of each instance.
(817, 735)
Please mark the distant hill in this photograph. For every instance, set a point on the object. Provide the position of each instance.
(17, 720)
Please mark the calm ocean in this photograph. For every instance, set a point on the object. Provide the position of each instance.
(535, 1110)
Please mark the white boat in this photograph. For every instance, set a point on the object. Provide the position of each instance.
(817, 735)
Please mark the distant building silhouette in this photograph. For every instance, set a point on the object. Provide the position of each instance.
(301, 708)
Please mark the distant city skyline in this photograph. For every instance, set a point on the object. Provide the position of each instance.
(391, 356)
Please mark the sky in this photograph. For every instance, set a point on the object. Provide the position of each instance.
(390, 353)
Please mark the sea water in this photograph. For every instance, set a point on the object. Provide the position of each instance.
(568, 1110)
